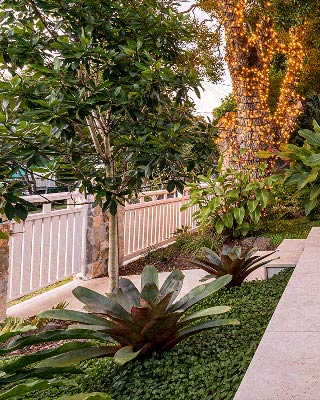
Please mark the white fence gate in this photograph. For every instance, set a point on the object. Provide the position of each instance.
(51, 244)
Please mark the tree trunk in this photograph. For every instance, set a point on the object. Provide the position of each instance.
(249, 54)
(113, 259)
(100, 134)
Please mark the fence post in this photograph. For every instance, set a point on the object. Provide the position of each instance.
(4, 270)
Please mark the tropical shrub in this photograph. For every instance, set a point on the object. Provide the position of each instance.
(234, 261)
(304, 167)
(233, 202)
(126, 324)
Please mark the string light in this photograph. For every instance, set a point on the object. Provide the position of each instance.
(249, 55)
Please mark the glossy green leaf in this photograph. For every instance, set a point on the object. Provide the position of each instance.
(239, 214)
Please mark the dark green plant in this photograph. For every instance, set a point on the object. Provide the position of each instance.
(304, 167)
(232, 202)
(233, 261)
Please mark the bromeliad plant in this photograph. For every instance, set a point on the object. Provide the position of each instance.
(234, 261)
(126, 324)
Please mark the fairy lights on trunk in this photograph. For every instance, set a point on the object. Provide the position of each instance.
(249, 54)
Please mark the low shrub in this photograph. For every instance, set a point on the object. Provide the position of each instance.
(209, 366)
(232, 203)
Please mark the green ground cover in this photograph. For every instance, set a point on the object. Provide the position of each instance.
(209, 366)
(293, 228)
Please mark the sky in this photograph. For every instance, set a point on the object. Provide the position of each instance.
(212, 93)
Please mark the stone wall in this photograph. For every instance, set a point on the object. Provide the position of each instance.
(4, 269)
(97, 244)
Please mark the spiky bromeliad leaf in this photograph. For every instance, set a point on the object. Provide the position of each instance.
(87, 396)
(200, 292)
(24, 388)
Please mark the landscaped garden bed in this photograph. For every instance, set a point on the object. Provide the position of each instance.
(207, 366)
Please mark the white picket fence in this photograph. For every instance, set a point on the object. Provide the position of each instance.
(51, 244)
(152, 221)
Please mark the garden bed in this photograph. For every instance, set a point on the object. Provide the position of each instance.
(208, 366)
(175, 256)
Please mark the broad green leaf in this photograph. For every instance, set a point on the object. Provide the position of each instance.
(315, 192)
(130, 291)
(263, 196)
(316, 126)
(172, 284)
(125, 354)
(22, 362)
(149, 275)
(211, 255)
(214, 203)
(293, 179)
(239, 214)
(314, 160)
(309, 206)
(219, 226)
(186, 206)
(50, 336)
(308, 178)
(227, 219)
(183, 334)
(150, 292)
(244, 228)
(252, 205)
(255, 215)
(312, 137)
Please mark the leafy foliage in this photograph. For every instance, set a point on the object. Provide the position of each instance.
(232, 202)
(83, 81)
(303, 172)
(233, 261)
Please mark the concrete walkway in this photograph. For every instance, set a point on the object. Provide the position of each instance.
(286, 365)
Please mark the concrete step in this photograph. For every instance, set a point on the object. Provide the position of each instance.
(287, 256)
